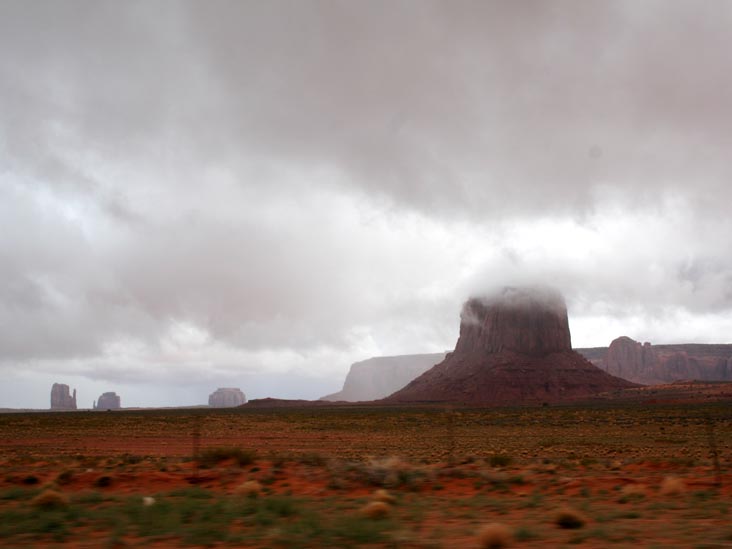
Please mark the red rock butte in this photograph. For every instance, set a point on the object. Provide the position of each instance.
(514, 347)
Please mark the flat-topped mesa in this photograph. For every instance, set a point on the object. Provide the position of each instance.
(226, 397)
(530, 320)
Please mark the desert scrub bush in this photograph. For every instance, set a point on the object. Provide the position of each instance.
(281, 506)
(672, 486)
(313, 459)
(632, 492)
(194, 492)
(196, 521)
(18, 493)
(534, 501)
(524, 533)
(64, 478)
(31, 523)
(89, 497)
(355, 530)
(500, 460)
(49, 500)
(269, 480)
(376, 510)
(517, 480)
(103, 481)
(213, 456)
(383, 495)
(250, 488)
(391, 472)
(130, 459)
(494, 536)
(568, 518)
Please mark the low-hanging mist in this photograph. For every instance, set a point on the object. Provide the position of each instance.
(257, 195)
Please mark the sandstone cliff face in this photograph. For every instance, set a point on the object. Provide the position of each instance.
(628, 359)
(655, 364)
(514, 347)
(61, 399)
(226, 397)
(108, 401)
(380, 376)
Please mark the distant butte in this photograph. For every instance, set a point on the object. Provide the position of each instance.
(514, 347)
(61, 399)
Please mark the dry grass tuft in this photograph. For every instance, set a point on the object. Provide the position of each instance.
(672, 486)
(494, 536)
(250, 488)
(383, 495)
(569, 518)
(50, 499)
(632, 491)
(376, 510)
(391, 471)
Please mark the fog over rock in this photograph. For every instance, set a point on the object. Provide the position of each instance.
(379, 377)
(108, 401)
(530, 321)
(514, 348)
(226, 397)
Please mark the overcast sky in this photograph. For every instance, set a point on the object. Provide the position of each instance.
(259, 193)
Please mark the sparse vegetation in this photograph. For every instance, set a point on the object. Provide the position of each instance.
(494, 536)
(319, 498)
(384, 496)
(213, 456)
(103, 481)
(500, 460)
(50, 499)
(376, 510)
(250, 488)
(672, 486)
(568, 518)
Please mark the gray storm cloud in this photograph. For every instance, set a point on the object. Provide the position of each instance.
(264, 186)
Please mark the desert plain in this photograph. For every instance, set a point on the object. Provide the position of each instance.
(651, 469)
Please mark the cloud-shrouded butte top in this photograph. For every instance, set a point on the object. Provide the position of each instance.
(514, 348)
(531, 320)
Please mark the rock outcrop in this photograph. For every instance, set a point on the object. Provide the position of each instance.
(514, 348)
(61, 399)
(656, 364)
(379, 377)
(226, 397)
(108, 401)
(532, 322)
